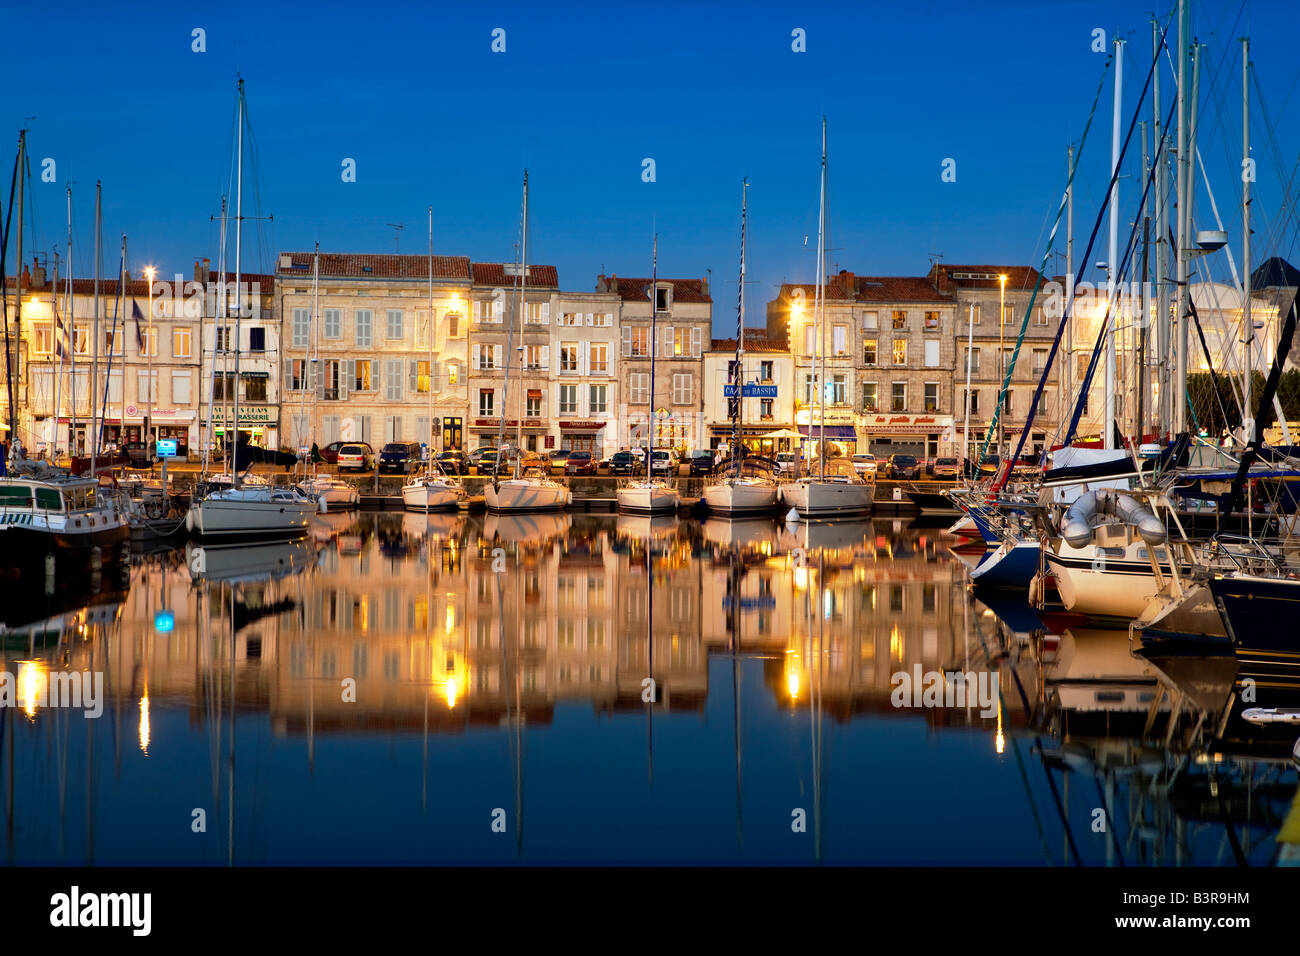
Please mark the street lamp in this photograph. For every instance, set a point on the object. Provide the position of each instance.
(149, 273)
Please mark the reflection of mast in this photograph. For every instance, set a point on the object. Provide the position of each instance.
(737, 576)
(650, 654)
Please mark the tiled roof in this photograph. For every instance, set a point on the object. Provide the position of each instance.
(365, 266)
(834, 291)
(948, 277)
(897, 289)
(758, 343)
(638, 290)
(494, 274)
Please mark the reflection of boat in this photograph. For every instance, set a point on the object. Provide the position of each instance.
(740, 532)
(825, 534)
(644, 527)
(932, 502)
(325, 527)
(442, 525)
(526, 529)
(1094, 671)
(248, 562)
(106, 610)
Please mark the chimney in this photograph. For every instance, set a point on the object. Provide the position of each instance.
(25, 280)
(704, 285)
(201, 271)
(38, 274)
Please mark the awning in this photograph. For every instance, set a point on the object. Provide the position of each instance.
(254, 374)
(751, 431)
(832, 431)
(582, 426)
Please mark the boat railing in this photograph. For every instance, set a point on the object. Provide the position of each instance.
(1241, 553)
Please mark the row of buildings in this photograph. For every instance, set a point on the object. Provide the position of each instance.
(378, 348)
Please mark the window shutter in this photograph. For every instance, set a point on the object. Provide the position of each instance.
(474, 357)
(546, 356)
(591, 318)
(413, 376)
(496, 309)
(546, 313)
(697, 336)
(666, 342)
(316, 382)
(344, 382)
(584, 362)
(627, 340)
(496, 355)
(288, 374)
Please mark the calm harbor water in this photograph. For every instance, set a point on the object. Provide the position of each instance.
(473, 689)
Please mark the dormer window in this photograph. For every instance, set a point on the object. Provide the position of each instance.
(663, 298)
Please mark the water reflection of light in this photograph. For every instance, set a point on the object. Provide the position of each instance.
(450, 690)
(1001, 740)
(31, 679)
(449, 624)
(895, 643)
(792, 674)
(144, 723)
(801, 577)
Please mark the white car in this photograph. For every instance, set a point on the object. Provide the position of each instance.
(865, 465)
(787, 464)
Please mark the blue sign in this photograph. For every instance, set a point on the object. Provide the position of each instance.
(166, 447)
(164, 622)
(750, 391)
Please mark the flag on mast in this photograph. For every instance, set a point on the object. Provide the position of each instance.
(139, 317)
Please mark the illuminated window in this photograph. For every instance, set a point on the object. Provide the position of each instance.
(900, 351)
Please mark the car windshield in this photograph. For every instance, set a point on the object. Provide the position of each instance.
(395, 448)
(904, 460)
(946, 461)
(581, 455)
(351, 450)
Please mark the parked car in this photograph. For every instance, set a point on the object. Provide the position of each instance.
(559, 459)
(787, 464)
(701, 461)
(482, 459)
(664, 462)
(453, 462)
(331, 452)
(865, 465)
(626, 463)
(535, 459)
(944, 469)
(902, 466)
(580, 463)
(137, 452)
(356, 456)
(400, 456)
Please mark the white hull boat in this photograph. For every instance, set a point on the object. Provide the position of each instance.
(1110, 581)
(250, 513)
(432, 494)
(335, 492)
(838, 492)
(741, 496)
(648, 498)
(526, 494)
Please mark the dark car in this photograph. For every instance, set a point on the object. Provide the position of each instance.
(483, 460)
(400, 456)
(331, 452)
(137, 452)
(626, 463)
(453, 463)
(701, 462)
(903, 466)
(580, 463)
(246, 455)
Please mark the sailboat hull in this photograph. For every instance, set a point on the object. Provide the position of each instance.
(523, 495)
(828, 499)
(1256, 610)
(431, 496)
(741, 498)
(648, 499)
(249, 514)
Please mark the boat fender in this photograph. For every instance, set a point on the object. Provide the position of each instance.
(1035, 585)
(189, 521)
(792, 515)
(323, 505)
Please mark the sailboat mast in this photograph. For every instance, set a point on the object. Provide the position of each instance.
(1248, 340)
(70, 317)
(309, 367)
(95, 415)
(429, 425)
(11, 355)
(520, 318)
(654, 347)
(820, 308)
(239, 223)
(738, 380)
(1112, 260)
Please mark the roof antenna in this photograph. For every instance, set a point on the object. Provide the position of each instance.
(397, 235)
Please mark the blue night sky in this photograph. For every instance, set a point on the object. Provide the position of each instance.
(585, 92)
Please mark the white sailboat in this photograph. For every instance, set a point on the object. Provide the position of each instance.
(253, 511)
(837, 489)
(748, 489)
(533, 490)
(433, 490)
(650, 495)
